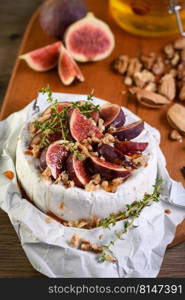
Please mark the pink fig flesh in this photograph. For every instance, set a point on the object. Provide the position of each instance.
(77, 171)
(129, 132)
(80, 126)
(109, 170)
(43, 59)
(68, 70)
(112, 114)
(89, 39)
(130, 147)
(55, 156)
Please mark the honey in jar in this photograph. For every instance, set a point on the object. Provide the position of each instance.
(148, 18)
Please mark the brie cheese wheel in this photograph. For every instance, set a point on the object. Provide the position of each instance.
(75, 203)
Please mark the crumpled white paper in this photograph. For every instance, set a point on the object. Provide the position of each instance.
(47, 247)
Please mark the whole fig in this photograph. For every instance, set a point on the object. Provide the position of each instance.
(57, 15)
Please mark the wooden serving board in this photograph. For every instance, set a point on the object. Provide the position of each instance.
(25, 83)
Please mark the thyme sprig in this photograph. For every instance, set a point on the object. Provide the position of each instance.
(131, 213)
(57, 123)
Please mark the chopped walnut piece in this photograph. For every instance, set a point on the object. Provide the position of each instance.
(96, 178)
(35, 150)
(128, 80)
(101, 125)
(105, 184)
(85, 245)
(140, 161)
(32, 129)
(46, 174)
(169, 50)
(108, 138)
(120, 64)
(158, 67)
(176, 136)
(91, 186)
(134, 66)
(143, 77)
(151, 87)
(167, 87)
(75, 240)
(175, 59)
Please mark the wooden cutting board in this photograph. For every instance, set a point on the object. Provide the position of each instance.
(25, 83)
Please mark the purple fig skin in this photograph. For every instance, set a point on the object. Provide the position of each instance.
(113, 155)
(77, 171)
(110, 154)
(130, 147)
(112, 114)
(108, 170)
(55, 157)
(129, 132)
(43, 164)
(57, 15)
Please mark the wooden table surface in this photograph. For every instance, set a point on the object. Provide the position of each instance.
(13, 262)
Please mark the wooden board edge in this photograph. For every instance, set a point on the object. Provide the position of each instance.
(26, 33)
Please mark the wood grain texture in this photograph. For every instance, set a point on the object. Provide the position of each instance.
(14, 16)
(22, 89)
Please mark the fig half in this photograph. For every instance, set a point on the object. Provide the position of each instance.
(112, 114)
(108, 170)
(55, 156)
(43, 59)
(89, 39)
(68, 70)
(77, 171)
(129, 132)
(80, 126)
(130, 147)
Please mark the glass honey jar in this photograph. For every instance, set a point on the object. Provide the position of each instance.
(149, 18)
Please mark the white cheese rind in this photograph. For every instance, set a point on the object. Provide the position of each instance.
(78, 203)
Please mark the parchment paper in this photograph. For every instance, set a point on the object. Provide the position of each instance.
(46, 245)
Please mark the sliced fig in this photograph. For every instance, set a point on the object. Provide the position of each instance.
(130, 147)
(77, 171)
(89, 39)
(80, 126)
(129, 132)
(43, 59)
(108, 170)
(112, 114)
(60, 107)
(110, 153)
(68, 70)
(43, 164)
(55, 157)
